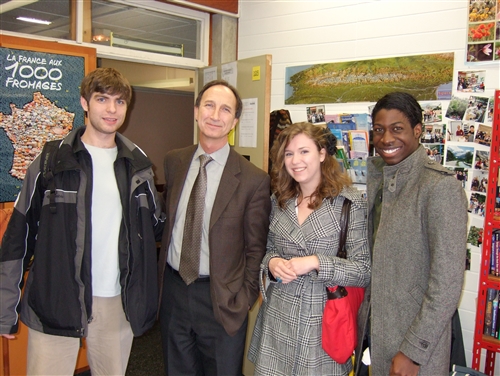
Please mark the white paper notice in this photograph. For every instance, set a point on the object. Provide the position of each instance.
(229, 72)
(209, 74)
(248, 124)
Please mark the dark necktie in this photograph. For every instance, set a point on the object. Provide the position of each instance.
(191, 243)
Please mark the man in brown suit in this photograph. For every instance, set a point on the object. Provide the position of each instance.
(203, 323)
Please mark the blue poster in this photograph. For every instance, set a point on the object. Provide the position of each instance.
(39, 102)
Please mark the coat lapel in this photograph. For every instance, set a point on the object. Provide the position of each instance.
(322, 222)
(286, 225)
(229, 183)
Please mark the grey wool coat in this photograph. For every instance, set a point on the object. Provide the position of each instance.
(287, 335)
(418, 261)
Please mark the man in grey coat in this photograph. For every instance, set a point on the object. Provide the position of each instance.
(417, 228)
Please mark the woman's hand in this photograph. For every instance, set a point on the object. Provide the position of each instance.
(303, 265)
(280, 271)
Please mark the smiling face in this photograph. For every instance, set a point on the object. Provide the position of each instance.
(303, 162)
(106, 113)
(394, 138)
(216, 117)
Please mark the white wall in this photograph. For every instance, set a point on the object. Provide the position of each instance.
(311, 32)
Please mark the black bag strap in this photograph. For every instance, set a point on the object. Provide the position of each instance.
(47, 164)
(340, 291)
(344, 222)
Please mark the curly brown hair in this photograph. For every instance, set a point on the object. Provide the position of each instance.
(284, 187)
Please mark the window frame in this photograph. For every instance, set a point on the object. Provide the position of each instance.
(117, 53)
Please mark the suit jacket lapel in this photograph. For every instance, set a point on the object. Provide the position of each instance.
(229, 183)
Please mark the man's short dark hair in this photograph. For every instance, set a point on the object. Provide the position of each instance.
(239, 103)
(402, 102)
(106, 81)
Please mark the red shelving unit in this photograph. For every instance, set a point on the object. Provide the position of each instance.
(486, 281)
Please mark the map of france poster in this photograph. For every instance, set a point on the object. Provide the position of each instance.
(39, 102)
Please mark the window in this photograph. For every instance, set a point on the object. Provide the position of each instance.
(130, 27)
(134, 30)
(38, 18)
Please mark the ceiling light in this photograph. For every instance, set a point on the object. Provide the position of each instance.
(106, 36)
(176, 50)
(33, 20)
(167, 83)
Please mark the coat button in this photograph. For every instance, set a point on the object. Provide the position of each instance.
(424, 344)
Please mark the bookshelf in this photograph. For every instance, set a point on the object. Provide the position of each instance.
(488, 281)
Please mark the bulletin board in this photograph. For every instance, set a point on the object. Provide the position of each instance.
(253, 82)
(39, 101)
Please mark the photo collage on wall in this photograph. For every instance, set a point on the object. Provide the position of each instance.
(461, 140)
(483, 37)
(468, 141)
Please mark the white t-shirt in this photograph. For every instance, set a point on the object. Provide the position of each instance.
(106, 220)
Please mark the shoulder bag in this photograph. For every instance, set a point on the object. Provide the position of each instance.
(339, 327)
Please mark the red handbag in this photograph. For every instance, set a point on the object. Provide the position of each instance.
(339, 326)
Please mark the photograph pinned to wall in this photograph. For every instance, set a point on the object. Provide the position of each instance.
(476, 109)
(475, 235)
(477, 204)
(482, 31)
(369, 80)
(432, 112)
(462, 175)
(469, 128)
(480, 11)
(479, 181)
(456, 131)
(471, 81)
(433, 134)
(435, 152)
(483, 37)
(483, 135)
(456, 108)
(316, 114)
(482, 160)
(459, 156)
(490, 110)
(481, 52)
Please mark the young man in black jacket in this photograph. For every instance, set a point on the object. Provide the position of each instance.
(90, 226)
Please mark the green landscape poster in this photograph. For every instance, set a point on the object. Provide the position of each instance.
(426, 77)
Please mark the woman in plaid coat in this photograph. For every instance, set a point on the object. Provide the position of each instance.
(309, 190)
